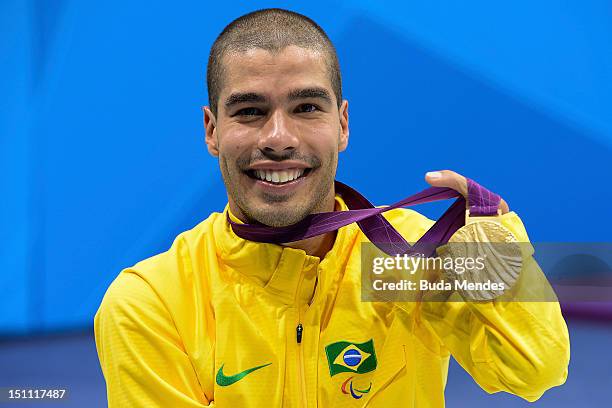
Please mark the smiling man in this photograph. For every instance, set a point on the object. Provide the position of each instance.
(221, 320)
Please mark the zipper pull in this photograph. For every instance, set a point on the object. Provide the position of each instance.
(298, 331)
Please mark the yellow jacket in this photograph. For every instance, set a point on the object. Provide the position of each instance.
(214, 322)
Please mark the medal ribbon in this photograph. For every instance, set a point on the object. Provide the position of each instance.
(374, 226)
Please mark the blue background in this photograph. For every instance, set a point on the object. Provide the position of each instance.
(102, 156)
(103, 159)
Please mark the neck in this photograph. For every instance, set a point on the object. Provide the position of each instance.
(317, 246)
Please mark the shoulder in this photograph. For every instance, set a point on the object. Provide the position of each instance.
(127, 300)
(129, 312)
(162, 283)
(178, 264)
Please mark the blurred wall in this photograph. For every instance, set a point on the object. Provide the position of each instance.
(101, 142)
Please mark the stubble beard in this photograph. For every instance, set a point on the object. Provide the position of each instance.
(278, 210)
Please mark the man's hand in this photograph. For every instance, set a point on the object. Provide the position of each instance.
(450, 179)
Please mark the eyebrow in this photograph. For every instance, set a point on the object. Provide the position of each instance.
(314, 92)
(252, 97)
(242, 97)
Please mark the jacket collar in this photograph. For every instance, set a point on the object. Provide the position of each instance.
(289, 274)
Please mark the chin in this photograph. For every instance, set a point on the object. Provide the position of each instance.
(281, 204)
(279, 214)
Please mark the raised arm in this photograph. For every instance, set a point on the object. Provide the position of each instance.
(514, 346)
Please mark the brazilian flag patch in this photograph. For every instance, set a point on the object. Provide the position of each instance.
(344, 356)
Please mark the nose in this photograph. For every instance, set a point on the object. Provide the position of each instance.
(278, 135)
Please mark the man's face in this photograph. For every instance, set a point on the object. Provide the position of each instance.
(277, 134)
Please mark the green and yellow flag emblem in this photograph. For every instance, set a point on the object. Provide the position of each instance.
(344, 356)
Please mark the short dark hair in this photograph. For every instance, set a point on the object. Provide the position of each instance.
(270, 29)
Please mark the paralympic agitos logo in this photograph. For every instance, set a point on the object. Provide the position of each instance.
(354, 391)
(344, 356)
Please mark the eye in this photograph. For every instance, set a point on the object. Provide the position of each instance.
(307, 107)
(249, 112)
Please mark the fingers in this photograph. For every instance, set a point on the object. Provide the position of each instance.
(450, 179)
(504, 206)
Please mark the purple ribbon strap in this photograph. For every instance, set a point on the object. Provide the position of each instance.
(376, 227)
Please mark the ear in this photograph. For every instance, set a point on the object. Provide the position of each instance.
(344, 126)
(210, 127)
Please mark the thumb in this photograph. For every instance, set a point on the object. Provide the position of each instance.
(448, 178)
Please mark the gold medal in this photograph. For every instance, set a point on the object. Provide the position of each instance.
(497, 254)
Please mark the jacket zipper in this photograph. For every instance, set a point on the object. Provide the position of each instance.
(300, 358)
(299, 330)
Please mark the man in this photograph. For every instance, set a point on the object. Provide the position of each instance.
(224, 321)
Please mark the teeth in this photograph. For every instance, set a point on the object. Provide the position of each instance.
(279, 176)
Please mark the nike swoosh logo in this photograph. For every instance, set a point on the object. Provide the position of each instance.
(225, 380)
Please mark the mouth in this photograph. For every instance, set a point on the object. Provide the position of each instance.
(278, 177)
